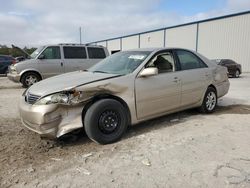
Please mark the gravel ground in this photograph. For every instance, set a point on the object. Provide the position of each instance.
(186, 149)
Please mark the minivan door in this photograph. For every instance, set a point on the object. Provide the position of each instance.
(50, 62)
(75, 58)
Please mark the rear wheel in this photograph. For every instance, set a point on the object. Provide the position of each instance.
(237, 74)
(5, 71)
(105, 121)
(30, 78)
(209, 101)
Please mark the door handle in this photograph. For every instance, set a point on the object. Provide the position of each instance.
(61, 64)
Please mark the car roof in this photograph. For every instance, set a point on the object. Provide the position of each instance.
(6, 56)
(76, 45)
(159, 49)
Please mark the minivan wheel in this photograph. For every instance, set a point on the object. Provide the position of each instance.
(30, 78)
(105, 121)
(237, 74)
(209, 101)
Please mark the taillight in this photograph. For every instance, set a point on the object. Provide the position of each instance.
(13, 62)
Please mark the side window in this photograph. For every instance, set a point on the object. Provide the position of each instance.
(74, 52)
(96, 53)
(52, 52)
(164, 62)
(189, 61)
(230, 62)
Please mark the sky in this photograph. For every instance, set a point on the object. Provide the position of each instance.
(38, 22)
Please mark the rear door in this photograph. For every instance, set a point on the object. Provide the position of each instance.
(75, 58)
(194, 75)
(160, 93)
(50, 62)
(3, 64)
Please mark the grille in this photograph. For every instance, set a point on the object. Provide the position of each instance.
(31, 99)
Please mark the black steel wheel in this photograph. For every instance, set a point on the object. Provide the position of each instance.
(105, 121)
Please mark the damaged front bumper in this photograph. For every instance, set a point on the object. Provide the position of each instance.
(51, 121)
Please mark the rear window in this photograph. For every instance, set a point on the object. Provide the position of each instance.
(189, 61)
(96, 53)
(74, 52)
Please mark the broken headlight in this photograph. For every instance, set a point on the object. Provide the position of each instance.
(67, 98)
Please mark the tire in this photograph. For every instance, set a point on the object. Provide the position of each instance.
(30, 78)
(6, 71)
(237, 74)
(210, 101)
(106, 121)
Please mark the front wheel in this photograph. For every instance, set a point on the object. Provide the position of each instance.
(105, 121)
(30, 78)
(209, 101)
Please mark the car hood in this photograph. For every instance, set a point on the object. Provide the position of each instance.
(22, 51)
(66, 82)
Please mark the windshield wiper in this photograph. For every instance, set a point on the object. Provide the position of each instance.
(101, 72)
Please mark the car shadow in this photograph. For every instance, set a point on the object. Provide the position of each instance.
(80, 137)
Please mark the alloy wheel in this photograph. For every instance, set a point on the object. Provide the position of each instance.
(211, 101)
(30, 80)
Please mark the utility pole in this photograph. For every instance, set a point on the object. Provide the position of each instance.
(80, 30)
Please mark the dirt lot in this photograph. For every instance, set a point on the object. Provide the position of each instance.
(185, 149)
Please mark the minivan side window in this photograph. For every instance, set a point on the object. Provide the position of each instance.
(189, 61)
(52, 52)
(96, 53)
(71, 52)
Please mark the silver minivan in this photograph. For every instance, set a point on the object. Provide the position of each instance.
(51, 60)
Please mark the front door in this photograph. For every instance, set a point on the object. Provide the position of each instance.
(160, 93)
(51, 63)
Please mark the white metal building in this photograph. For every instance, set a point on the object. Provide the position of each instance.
(216, 38)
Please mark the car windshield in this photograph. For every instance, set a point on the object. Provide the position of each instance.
(36, 52)
(121, 63)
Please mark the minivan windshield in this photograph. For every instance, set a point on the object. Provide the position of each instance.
(121, 63)
(36, 52)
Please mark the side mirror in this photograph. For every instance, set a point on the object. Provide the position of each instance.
(41, 56)
(150, 71)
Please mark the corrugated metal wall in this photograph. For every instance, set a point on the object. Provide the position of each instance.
(131, 42)
(225, 37)
(152, 39)
(184, 37)
(114, 45)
